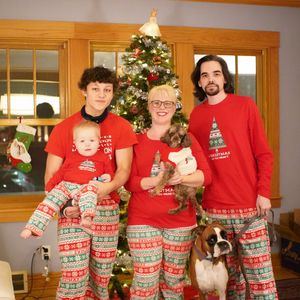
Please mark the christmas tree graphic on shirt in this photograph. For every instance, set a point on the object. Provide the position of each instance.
(217, 142)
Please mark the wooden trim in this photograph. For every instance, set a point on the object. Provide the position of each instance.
(184, 63)
(30, 122)
(121, 33)
(79, 60)
(272, 116)
(79, 37)
(291, 3)
(19, 207)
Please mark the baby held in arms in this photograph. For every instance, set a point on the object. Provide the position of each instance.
(76, 179)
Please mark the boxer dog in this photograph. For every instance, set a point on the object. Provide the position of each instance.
(208, 271)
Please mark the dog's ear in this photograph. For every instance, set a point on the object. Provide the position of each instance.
(187, 141)
(166, 138)
(199, 229)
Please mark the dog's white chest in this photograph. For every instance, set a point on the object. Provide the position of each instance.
(211, 277)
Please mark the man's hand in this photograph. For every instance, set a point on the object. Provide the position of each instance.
(103, 188)
(72, 212)
(263, 205)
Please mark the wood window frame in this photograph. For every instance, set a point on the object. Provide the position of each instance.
(290, 3)
(79, 37)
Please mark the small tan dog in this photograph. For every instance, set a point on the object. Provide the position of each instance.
(208, 270)
(185, 162)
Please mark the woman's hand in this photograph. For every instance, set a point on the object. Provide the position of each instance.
(175, 179)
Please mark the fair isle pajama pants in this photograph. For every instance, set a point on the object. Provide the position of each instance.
(256, 255)
(87, 259)
(160, 257)
(85, 196)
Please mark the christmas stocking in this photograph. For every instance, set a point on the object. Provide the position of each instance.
(18, 149)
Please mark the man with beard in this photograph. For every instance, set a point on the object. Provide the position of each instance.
(231, 134)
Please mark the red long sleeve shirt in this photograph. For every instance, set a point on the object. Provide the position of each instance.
(81, 169)
(232, 137)
(144, 209)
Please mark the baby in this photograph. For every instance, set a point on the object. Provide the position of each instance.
(72, 181)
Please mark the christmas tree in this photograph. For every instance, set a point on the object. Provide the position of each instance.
(147, 63)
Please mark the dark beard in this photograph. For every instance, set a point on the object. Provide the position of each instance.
(213, 92)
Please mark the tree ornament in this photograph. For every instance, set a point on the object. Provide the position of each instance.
(134, 109)
(152, 77)
(151, 28)
(156, 60)
(18, 148)
(137, 52)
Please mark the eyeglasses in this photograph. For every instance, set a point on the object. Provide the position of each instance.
(158, 103)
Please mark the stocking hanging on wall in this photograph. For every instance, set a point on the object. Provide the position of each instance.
(18, 148)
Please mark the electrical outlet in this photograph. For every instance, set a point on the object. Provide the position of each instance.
(45, 252)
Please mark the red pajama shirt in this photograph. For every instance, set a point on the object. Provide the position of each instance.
(159, 242)
(232, 137)
(71, 181)
(86, 259)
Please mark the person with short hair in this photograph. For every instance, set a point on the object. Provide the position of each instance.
(94, 256)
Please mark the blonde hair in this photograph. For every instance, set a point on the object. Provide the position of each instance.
(86, 125)
(162, 89)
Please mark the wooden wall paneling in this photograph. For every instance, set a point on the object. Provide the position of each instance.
(273, 120)
(184, 58)
(79, 60)
(40, 30)
(18, 208)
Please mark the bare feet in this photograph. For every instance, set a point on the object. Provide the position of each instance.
(26, 233)
(86, 222)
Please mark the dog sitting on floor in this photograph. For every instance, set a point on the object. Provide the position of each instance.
(208, 270)
(185, 162)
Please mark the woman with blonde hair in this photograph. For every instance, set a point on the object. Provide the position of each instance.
(160, 242)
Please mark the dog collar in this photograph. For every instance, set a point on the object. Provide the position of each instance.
(200, 255)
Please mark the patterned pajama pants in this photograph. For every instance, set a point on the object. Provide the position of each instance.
(87, 259)
(256, 256)
(85, 196)
(160, 257)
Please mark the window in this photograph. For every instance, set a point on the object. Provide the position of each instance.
(31, 95)
(243, 69)
(75, 44)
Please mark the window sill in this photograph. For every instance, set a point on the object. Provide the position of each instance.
(18, 207)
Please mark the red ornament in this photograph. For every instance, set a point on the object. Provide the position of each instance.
(134, 109)
(152, 77)
(137, 52)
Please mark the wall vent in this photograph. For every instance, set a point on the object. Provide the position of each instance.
(20, 282)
